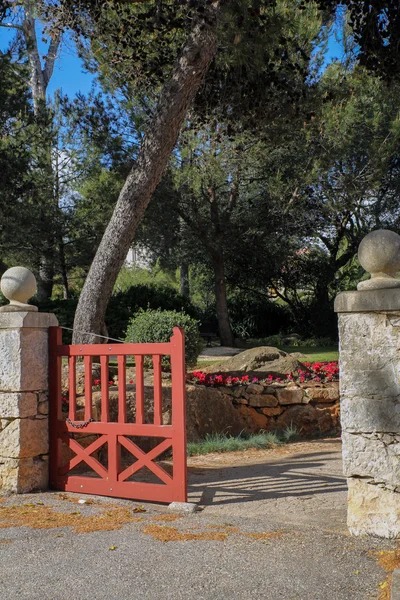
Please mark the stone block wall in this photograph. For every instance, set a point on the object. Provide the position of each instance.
(312, 408)
(24, 445)
(370, 415)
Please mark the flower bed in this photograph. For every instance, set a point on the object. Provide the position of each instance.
(321, 372)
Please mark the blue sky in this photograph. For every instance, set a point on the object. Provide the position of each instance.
(70, 75)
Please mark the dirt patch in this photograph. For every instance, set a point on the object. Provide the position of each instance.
(44, 517)
(388, 560)
(164, 533)
(5, 542)
(166, 517)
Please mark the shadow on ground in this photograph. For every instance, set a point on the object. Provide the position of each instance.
(301, 485)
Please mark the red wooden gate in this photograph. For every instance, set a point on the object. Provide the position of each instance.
(110, 477)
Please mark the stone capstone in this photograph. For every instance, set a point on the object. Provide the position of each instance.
(18, 285)
(379, 254)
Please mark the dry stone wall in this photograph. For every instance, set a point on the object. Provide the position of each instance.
(24, 446)
(311, 408)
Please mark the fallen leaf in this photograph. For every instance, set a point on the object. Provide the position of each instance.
(112, 547)
(139, 509)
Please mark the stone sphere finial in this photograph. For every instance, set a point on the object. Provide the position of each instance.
(379, 254)
(18, 285)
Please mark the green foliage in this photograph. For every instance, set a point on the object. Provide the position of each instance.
(221, 442)
(157, 325)
(121, 307)
(140, 298)
(254, 315)
(282, 341)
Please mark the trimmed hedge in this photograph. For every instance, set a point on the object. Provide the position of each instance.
(157, 325)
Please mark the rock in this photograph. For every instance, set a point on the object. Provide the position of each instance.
(376, 456)
(209, 411)
(272, 412)
(183, 507)
(304, 418)
(290, 396)
(323, 394)
(264, 400)
(21, 476)
(372, 510)
(241, 401)
(254, 388)
(252, 420)
(18, 405)
(263, 360)
(24, 438)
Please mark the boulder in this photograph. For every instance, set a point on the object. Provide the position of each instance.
(304, 418)
(252, 421)
(264, 360)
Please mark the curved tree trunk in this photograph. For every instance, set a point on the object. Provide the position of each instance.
(224, 324)
(175, 100)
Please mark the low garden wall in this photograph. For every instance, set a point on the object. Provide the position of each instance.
(311, 407)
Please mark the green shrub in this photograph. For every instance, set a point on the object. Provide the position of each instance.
(157, 325)
(141, 297)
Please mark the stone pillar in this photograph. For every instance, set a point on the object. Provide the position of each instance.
(24, 445)
(369, 356)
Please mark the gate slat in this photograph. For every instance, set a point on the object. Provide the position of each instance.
(72, 387)
(139, 390)
(121, 389)
(88, 387)
(114, 458)
(105, 408)
(157, 390)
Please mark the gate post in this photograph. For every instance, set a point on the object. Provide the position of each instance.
(369, 356)
(24, 445)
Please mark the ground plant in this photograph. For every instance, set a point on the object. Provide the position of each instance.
(223, 442)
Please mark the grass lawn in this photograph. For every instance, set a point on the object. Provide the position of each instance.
(315, 353)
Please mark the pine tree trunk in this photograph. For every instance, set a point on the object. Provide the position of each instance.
(224, 325)
(46, 279)
(175, 100)
(184, 280)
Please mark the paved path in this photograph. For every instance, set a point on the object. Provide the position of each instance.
(274, 524)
